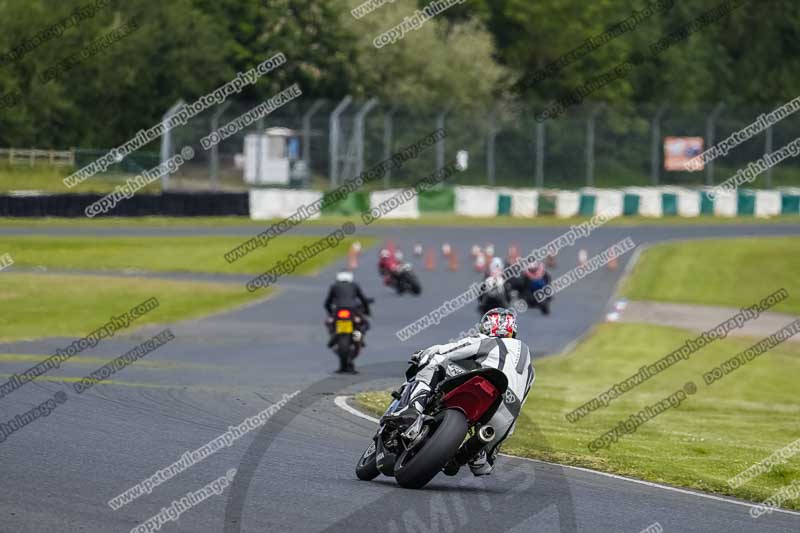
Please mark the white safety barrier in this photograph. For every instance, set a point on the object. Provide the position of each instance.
(768, 203)
(524, 202)
(266, 204)
(688, 202)
(650, 204)
(608, 201)
(400, 207)
(567, 203)
(476, 201)
(726, 203)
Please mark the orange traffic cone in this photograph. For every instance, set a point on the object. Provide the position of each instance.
(453, 261)
(352, 256)
(613, 264)
(430, 260)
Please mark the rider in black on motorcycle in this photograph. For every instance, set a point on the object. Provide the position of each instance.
(495, 290)
(534, 279)
(346, 294)
(496, 347)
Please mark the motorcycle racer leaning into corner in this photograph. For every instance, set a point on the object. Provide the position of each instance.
(346, 293)
(495, 347)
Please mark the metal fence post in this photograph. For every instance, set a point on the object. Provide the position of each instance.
(214, 159)
(655, 145)
(768, 150)
(590, 125)
(540, 155)
(307, 136)
(359, 133)
(710, 125)
(440, 146)
(166, 141)
(259, 139)
(334, 139)
(388, 125)
(492, 133)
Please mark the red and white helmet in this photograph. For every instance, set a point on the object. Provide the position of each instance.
(535, 270)
(499, 322)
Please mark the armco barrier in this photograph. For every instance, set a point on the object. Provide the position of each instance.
(166, 204)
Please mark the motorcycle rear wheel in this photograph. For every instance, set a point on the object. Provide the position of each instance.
(343, 351)
(416, 467)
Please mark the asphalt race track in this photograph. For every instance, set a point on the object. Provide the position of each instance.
(296, 473)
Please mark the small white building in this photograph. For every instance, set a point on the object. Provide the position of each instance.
(268, 156)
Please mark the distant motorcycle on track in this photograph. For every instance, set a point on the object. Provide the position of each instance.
(404, 279)
(347, 342)
(495, 295)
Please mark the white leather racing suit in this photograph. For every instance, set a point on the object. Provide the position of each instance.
(510, 356)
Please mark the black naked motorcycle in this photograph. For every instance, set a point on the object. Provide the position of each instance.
(405, 280)
(461, 404)
(495, 295)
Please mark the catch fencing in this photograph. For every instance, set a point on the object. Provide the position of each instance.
(594, 145)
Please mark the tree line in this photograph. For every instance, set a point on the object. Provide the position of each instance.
(113, 82)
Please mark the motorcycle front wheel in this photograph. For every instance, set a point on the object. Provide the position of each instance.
(413, 283)
(367, 468)
(418, 465)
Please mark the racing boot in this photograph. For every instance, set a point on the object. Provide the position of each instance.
(406, 415)
(481, 464)
(451, 468)
(359, 337)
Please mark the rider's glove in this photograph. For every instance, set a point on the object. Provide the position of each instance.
(423, 357)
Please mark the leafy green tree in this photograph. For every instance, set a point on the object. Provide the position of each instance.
(442, 63)
(109, 96)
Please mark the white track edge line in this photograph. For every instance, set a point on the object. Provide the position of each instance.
(341, 401)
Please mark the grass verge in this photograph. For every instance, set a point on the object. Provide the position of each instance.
(73, 306)
(719, 272)
(49, 179)
(163, 254)
(426, 220)
(715, 434)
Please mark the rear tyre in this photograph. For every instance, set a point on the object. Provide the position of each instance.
(367, 468)
(415, 472)
(343, 350)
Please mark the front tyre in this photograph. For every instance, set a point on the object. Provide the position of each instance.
(413, 283)
(367, 468)
(415, 470)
